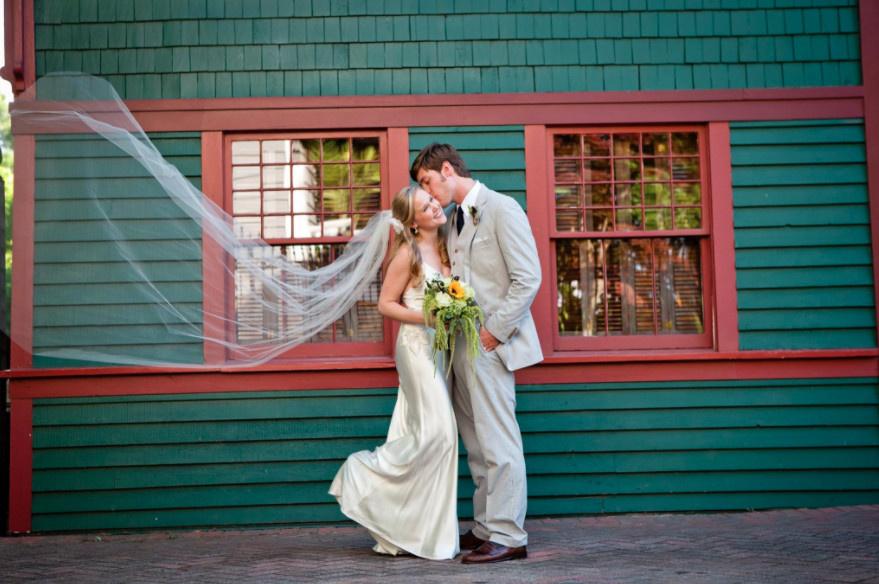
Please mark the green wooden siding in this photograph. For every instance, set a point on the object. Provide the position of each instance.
(804, 269)
(86, 295)
(268, 457)
(241, 48)
(495, 155)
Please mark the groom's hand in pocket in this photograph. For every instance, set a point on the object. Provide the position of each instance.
(488, 340)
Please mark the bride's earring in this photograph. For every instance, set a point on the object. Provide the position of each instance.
(414, 230)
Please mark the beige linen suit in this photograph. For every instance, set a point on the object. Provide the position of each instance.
(498, 257)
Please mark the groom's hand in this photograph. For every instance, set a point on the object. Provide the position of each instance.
(488, 340)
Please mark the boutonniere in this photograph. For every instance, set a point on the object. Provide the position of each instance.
(474, 215)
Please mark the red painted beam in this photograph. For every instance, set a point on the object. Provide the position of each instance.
(488, 99)
(363, 374)
(203, 382)
(701, 370)
(362, 112)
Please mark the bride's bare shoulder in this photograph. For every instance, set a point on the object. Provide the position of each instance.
(403, 254)
(400, 261)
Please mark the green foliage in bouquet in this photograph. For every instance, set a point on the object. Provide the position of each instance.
(450, 307)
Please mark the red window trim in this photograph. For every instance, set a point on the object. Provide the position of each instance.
(717, 249)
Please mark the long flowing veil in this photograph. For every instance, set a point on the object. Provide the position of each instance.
(78, 115)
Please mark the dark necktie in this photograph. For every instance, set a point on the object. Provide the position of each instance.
(459, 219)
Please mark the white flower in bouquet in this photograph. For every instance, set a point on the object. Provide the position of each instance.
(443, 300)
(450, 305)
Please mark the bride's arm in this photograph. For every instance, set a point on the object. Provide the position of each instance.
(396, 280)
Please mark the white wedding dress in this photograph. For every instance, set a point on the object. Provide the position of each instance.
(405, 491)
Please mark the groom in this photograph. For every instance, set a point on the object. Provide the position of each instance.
(492, 249)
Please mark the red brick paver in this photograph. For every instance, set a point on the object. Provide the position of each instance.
(799, 546)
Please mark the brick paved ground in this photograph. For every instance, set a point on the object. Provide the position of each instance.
(797, 546)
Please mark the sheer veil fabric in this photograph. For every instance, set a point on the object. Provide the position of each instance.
(310, 300)
(405, 492)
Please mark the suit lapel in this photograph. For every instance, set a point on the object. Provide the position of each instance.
(468, 234)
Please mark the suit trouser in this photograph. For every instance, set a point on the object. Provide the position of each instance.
(484, 400)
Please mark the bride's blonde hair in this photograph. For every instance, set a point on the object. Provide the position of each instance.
(403, 209)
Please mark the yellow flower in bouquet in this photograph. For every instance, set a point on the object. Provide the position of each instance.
(456, 290)
(450, 305)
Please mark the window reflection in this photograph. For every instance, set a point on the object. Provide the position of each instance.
(303, 189)
(610, 287)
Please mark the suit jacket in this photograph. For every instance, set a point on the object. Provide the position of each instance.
(498, 258)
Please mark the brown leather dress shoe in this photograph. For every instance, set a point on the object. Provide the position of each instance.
(469, 541)
(491, 552)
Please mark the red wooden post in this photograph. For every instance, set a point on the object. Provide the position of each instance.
(20, 465)
(213, 257)
(869, 17)
(536, 177)
(20, 67)
(22, 313)
(398, 159)
(723, 244)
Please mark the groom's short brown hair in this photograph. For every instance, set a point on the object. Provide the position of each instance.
(432, 157)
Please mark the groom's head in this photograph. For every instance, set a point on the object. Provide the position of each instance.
(438, 169)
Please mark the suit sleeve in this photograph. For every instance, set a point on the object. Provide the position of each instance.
(517, 246)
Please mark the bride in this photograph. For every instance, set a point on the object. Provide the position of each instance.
(405, 491)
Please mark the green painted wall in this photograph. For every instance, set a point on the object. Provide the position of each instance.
(240, 48)
(804, 269)
(268, 458)
(495, 155)
(85, 293)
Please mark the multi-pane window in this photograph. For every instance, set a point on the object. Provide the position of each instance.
(630, 237)
(305, 196)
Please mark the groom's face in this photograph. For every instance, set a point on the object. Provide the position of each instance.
(437, 185)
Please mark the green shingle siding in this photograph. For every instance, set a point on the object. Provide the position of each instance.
(476, 47)
(268, 457)
(494, 154)
(86, 296)
(804, 270)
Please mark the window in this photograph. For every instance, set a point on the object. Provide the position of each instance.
(631, 238)
(306, 195)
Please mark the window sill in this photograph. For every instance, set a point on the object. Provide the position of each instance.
(316, 364)
(573, 357)
(299, 365)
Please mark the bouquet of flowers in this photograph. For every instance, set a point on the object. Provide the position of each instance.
(449, 304)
